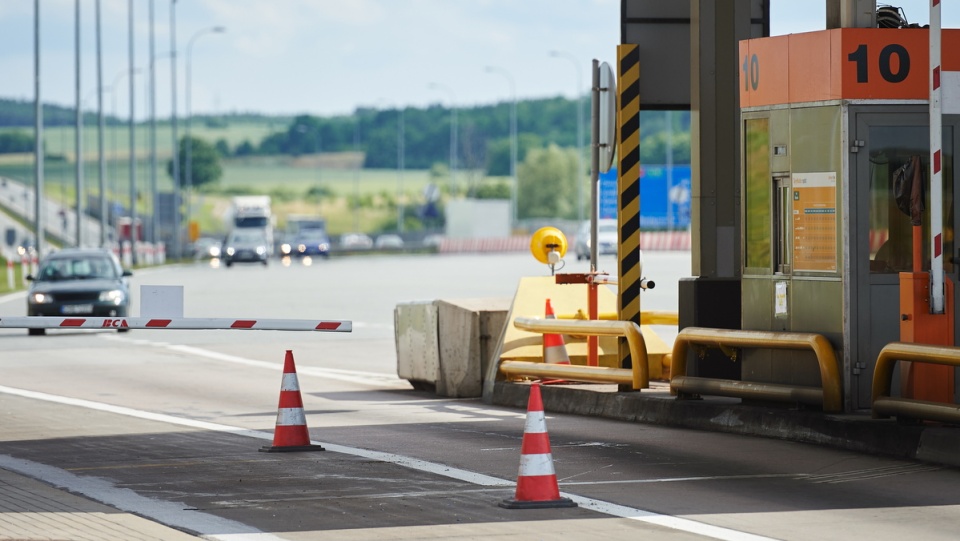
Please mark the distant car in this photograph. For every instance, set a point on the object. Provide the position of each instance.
(356, 241)
(388, 241)
(207, 248)
(433, 241)
(309, 242)
(79, 282)
(246, 245)
(607, 238)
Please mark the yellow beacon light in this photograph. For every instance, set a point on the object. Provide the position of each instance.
(548, 245)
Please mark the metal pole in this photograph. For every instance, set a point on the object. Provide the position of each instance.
(153, 135)
(37, 133)
(453, 131)
(188, 166)
(133, 147)
(592, 341)
(79, 130)
(173, 123)
(513, 141)
(400, 167)
(594, 161)
(100, 129)
(936, 165)
(356, 177)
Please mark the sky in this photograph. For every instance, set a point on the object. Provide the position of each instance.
(328, 57)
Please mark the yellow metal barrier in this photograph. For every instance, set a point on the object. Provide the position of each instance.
(649, 317)
(829, 395)
(638, 377)
(885, 405)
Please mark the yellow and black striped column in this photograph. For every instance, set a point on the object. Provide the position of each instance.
(628, 189)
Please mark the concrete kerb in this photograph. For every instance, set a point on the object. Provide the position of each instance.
(856, 432)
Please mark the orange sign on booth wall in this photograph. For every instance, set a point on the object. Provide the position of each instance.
(815, 221)
(846, 63)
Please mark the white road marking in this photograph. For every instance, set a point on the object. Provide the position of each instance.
(667, 521)
(349, 376)
(169, 513)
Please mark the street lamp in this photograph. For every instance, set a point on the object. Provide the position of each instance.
(401, 156)
(513, 138)
(189, 149)
(576, 64)
(113, 133)
(453, 131)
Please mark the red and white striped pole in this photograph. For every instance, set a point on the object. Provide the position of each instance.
(936, 174)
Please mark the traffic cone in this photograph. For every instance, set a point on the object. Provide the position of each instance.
(291, 431)
(554, 350)
(537, 486)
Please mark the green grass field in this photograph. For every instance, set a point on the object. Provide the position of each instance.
(289, 181)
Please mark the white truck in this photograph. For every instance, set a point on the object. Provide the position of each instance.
(252, 211)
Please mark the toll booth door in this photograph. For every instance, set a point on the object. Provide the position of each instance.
(881, 242)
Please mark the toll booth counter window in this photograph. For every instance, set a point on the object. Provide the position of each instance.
(758, 193)
(891, 230)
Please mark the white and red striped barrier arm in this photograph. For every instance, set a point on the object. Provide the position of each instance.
(59, 322)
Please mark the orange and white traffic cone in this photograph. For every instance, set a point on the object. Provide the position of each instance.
(291, 432)
(554, 350)
(537, 486)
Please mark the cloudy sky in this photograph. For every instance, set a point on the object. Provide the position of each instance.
(330, 56)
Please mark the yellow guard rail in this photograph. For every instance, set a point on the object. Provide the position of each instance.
(829, 395)
(638, 377)
(885, 405)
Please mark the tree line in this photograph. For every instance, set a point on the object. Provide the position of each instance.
(483, 135)
(483, 132)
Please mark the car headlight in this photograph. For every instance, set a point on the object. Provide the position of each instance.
(261, 250)
(41, 298)
(324, 247)
(214, 251)
(114, 296)
(302, 248)
(230, 250)
(285, 248)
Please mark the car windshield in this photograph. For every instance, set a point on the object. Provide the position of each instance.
(77, 268)
(246, 237)
(313, 234)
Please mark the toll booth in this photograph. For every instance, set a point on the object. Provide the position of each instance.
(827, 118)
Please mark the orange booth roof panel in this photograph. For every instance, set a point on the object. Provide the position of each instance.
(848, 63)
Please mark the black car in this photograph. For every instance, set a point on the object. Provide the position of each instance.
(245, 245)
(79, 282)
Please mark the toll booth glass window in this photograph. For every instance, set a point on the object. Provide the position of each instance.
(891, 233)
(758, 190)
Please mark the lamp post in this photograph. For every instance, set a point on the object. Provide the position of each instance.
(101, 159)
(133, 146)
(401, 159)
(513, 138)
(37, 134)
(576, 64)
(177, 251)
(453, 131)
(189, 150)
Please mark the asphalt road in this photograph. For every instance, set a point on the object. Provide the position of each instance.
(168, 424)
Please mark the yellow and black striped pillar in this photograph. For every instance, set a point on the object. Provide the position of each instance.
(628, 190)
